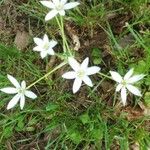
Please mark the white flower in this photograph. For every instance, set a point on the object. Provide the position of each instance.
(80, 73)
(58, 7)
(126, 83)
(19, 90)
(44, 46)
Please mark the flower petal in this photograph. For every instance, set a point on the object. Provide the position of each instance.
(71, 5)
(135, 78)
(51, 14)
(118, 88)
(37, 48)
(23, 84)
(45, 38)
(85, 63)
(62, 12)
(13, 81)
(22, 101)
(13, 101)
(92, 70)
(69, 75)
(43, 54)
(128, 74)
(87, 81)
(74, 64)
(52, 43)
(63, 2)
(30, 94)
(56, 2)
(76, 85)
(38, 41)
(48, 4)
(9, 90)
(123, 95)
(51, 51)
(116, 76)
(133, 90)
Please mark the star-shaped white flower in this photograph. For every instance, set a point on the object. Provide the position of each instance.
(80, 73)
(126, 83)
(19, 90)
(44, 46)
(58, 7)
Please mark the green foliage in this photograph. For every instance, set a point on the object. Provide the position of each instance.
(96, 56)
(8, 51)
(147, 99)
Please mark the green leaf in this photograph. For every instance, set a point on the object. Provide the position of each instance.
(96, 56)
(7, 51)
(75, 136)
(51, 107)
(30, 129)
(96, 134)
(84, 118)
(8, 131)
(147, 99)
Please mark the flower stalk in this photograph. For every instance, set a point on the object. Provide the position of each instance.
(47, 74)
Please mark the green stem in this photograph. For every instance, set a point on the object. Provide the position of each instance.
(47, 74)
(61, 26)
(63, 35)
(105, 76)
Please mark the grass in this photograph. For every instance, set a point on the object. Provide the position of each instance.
(93, 118)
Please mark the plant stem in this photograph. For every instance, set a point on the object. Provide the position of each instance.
(105, 75)
(63, 35)
(61, 26)
(47, 74)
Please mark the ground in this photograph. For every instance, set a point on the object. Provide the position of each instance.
(115, 36)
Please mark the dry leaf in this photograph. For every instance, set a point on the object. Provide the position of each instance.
(135, 146)
(22, 40)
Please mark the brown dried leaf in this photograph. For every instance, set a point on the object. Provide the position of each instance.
(22, 39)
(135, 146)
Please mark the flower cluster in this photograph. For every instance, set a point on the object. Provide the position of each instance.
(80, 73)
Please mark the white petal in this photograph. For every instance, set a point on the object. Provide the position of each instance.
(133, 90)
(30, 94)
(23, 84)
(13, 81)
(128, 74)
(69, 75)
(76, 85)
(52, 43)
(85, 63)
(56, 2)
(92, 70)
(116, 76)
(87, 81)
(62, 12)
(71, 5)
(135, 78)
(51, 51)
(48, 4)
(38, 41)
(123, 95)
(37, 48)
(118, 88)
(9, 90)
(45, 38)
(43, 54)
(22, 101)
(74, 64)
(13, 101)
(51, 14)
(63, 2)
